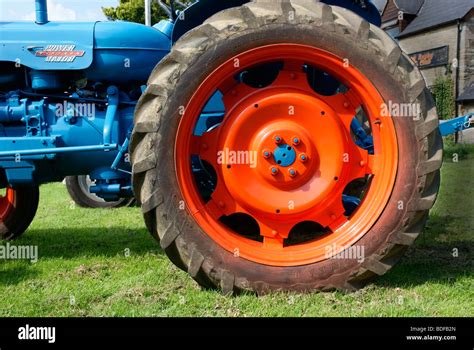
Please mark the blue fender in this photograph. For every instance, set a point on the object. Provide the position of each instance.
(198, 12)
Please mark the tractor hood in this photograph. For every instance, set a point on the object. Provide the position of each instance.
(50, 46)
(75, 45)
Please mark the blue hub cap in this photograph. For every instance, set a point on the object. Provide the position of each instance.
(284, 155)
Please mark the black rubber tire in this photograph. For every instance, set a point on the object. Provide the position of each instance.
(20, 218)
(87, 200)
(222, 37)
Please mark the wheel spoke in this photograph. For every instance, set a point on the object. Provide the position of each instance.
(272, 238)
(343, 107)
(333, 215)
(234, 96)
(206, 146)
(294, 65)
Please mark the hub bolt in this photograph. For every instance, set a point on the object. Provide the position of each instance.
(303, 157)
(277, 139)
(267, 154)
(274, 171)
(296, 141)
(292, 172)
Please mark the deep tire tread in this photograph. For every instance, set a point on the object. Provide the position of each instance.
(261, 13)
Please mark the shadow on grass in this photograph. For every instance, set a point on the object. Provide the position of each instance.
(437, 257)
(14, 274)
(434, 263)
(89, 242)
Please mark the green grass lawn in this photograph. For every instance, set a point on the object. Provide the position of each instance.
(104, 263)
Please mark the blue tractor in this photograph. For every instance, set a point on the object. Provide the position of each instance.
(258, 137)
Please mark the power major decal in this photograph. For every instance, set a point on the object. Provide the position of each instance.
(60, 53)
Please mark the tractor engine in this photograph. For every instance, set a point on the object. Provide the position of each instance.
(67, 97)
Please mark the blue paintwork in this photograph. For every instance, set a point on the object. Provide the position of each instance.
(363, 140)
(165, 26)
(452, 126)
(284, 155)
(41, 12)
(115, 52)
(350, 204)
(21, 40)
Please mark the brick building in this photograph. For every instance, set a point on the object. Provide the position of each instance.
(439, 36)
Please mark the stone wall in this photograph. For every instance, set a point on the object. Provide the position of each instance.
(430, 40)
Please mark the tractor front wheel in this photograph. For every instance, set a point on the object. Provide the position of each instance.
(311, 179)
(17, 209)
(78, 188)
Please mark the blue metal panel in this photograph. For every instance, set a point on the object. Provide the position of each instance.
(125, 51)
(452, 126)
(37, 46)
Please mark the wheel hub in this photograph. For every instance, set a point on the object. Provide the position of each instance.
(284, 155)
(290, 151)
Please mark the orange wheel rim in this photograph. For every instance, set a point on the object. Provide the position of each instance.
(305, 156)
(7, 201)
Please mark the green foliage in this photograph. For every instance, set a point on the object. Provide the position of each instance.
(443, 92)
(455, 151)
(134, 11)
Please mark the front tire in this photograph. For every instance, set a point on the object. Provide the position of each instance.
(192, 238)
(78, 189)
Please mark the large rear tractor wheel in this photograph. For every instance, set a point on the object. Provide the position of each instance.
(78, 189)
(17, 209)
(312, 179)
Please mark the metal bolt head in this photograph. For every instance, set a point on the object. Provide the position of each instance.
(278, 139)
(266, 154)
(296, 141)
(292, 172)
(274, 171)
(303, 157)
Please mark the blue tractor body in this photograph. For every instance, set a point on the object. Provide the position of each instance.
(73, 89)
(69, 92)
